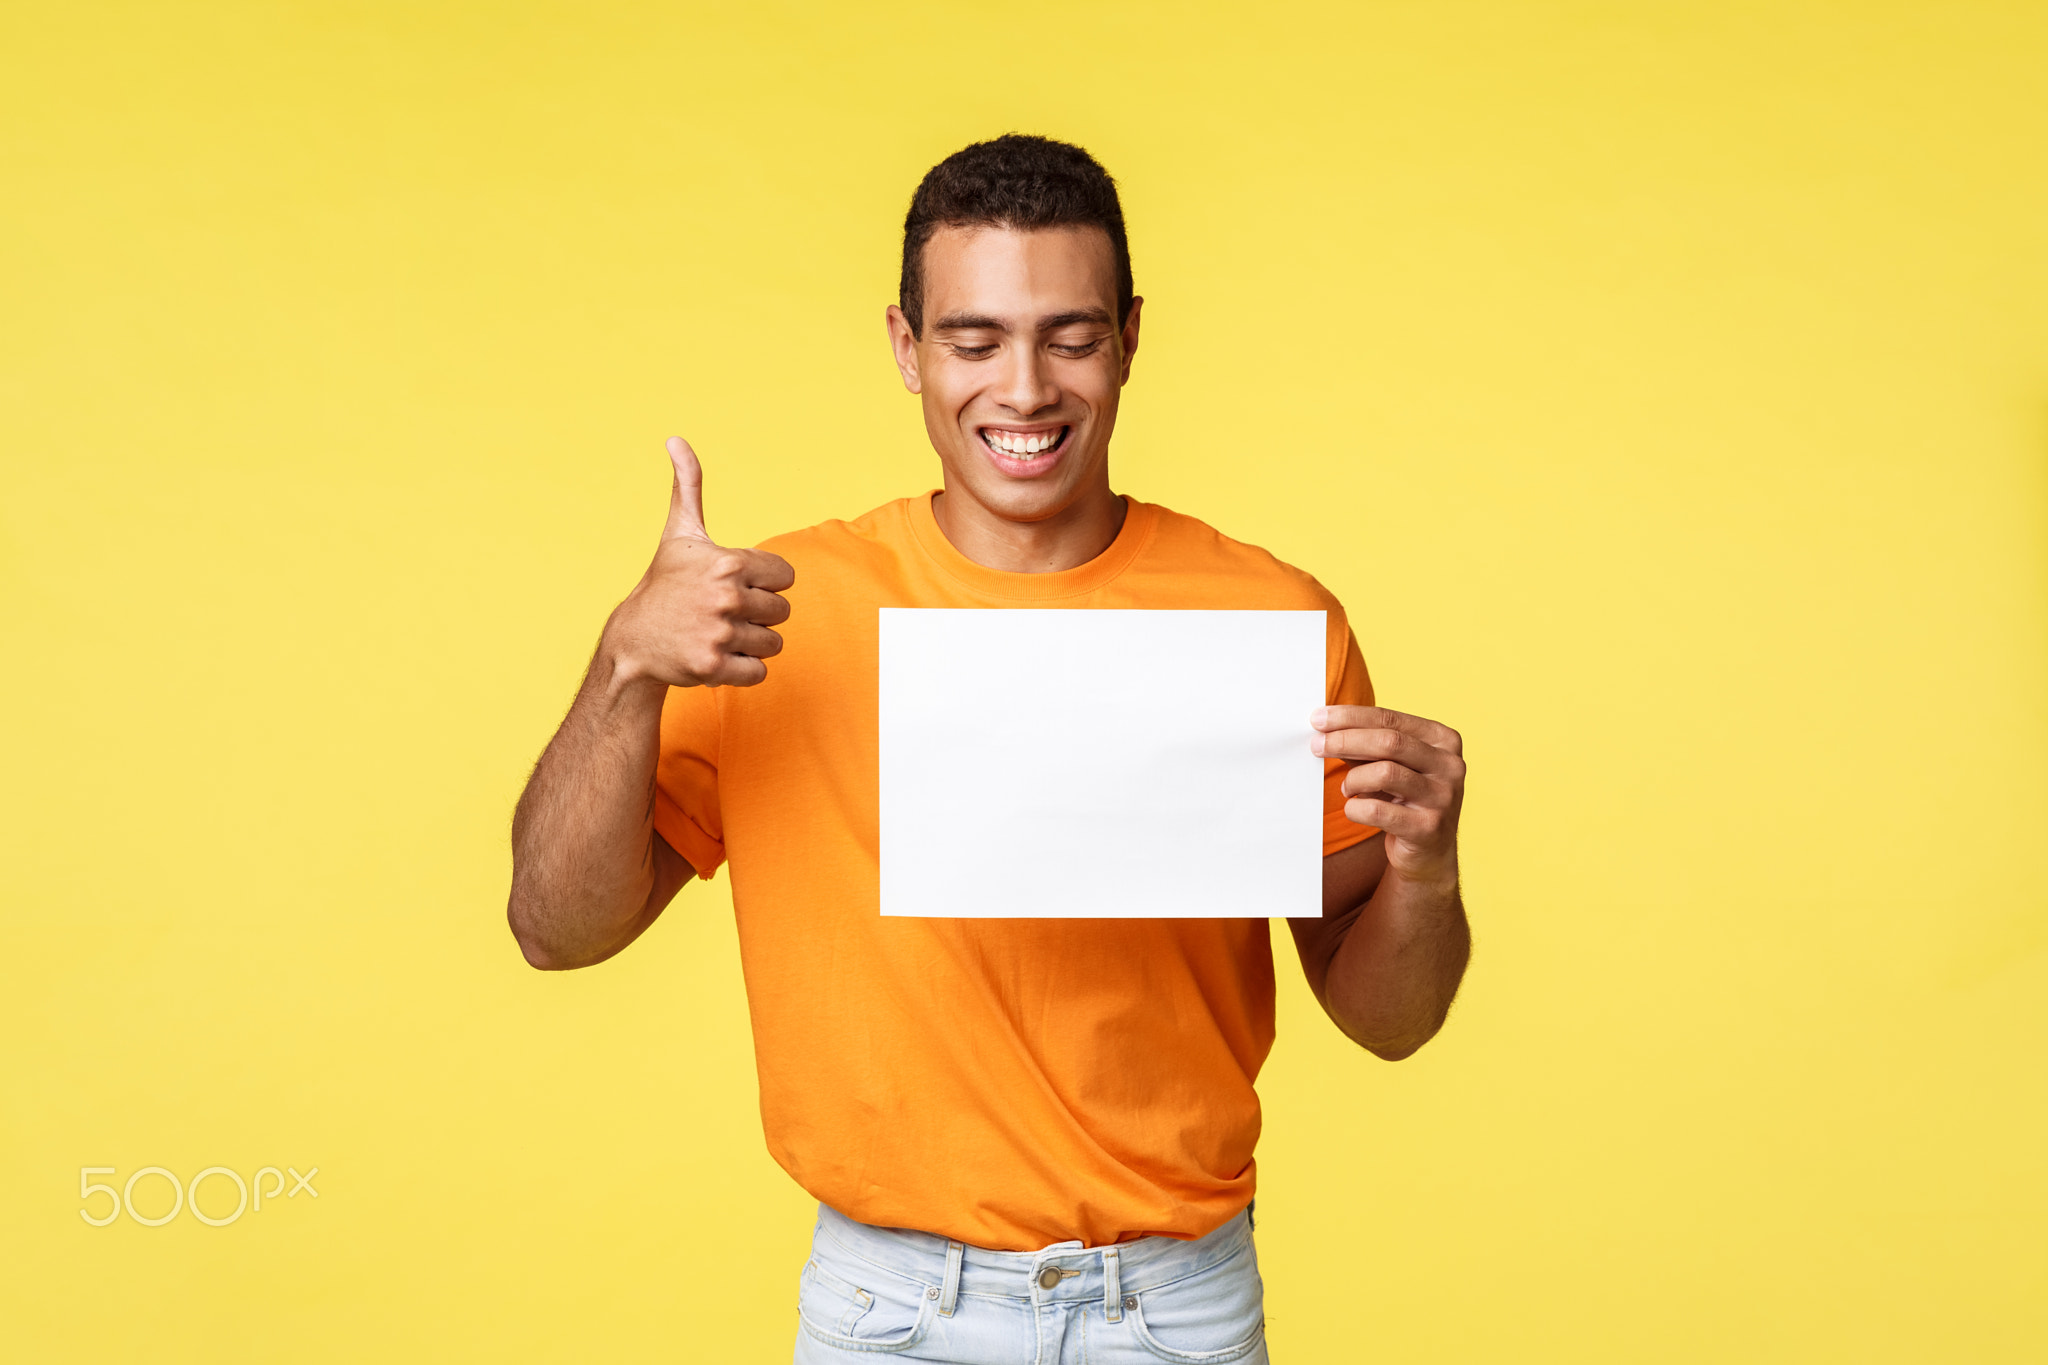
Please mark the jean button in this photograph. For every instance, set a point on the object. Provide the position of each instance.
(1049, 1278)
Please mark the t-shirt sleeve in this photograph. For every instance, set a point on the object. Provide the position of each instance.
(686, 778)
(1349, 685)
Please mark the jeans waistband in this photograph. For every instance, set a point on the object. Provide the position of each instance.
(1104, 1273)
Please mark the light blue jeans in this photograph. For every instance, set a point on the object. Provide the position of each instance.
(869, 1292)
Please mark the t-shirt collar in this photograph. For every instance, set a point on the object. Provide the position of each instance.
(1140, 520)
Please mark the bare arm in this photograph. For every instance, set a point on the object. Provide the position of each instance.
(1387, 956)
(589, 872)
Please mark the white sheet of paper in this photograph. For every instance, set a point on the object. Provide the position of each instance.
(1100, 764)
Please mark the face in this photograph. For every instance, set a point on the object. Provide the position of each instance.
(1020, 365)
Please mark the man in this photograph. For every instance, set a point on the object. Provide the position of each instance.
(1031, 1140)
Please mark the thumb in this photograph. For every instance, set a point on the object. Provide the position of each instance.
(686, 496)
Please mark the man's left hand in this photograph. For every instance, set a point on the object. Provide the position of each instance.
(1407, 777)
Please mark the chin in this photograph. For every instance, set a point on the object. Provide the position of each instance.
(1016, 499)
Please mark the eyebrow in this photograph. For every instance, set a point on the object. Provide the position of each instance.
(984, 323)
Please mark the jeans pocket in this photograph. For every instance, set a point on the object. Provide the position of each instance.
(883, 1312)
(1215, 1315)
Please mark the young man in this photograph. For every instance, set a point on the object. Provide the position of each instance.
(1031, 1140)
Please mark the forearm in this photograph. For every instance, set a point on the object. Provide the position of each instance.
(588, 870)
(1392, 978)
(583, 862)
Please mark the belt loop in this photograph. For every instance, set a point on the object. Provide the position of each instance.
(1112, 1284)
(949, 1293)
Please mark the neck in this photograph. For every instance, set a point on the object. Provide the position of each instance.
(1065, 540)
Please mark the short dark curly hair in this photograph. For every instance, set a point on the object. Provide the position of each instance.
(1014, 181)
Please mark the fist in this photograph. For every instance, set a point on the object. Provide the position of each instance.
(1407, 776)
(702, 615)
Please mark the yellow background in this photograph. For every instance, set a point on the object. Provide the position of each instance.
(1664, 387)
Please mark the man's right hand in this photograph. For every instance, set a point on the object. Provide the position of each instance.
(701, 615)
(589, 870)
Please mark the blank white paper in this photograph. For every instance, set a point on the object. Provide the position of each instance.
(1100, 764)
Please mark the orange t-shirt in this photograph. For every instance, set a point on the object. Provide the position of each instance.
(1009, 1083)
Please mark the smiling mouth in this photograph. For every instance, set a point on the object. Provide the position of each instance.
(1025, 446)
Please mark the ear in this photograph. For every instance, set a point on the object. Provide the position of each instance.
(904, 343)
(1130, 339)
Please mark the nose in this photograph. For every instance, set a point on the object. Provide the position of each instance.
(1026, 385)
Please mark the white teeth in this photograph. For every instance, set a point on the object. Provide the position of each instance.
(1021, 446)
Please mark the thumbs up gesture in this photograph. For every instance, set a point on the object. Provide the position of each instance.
(702, 614)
